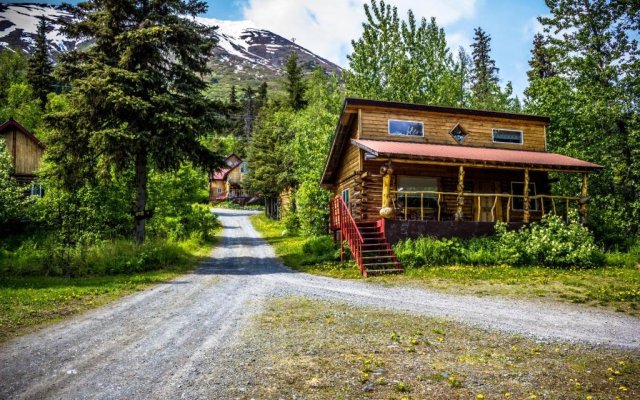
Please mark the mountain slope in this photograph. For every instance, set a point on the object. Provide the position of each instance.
(245, 53)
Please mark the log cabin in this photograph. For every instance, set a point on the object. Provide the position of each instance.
(26, 151)
(401, 170)
(226, 183)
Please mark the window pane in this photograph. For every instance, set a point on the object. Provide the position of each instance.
(507, 136)
(417, 184)
(406, 128)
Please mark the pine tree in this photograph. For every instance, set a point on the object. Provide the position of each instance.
(262, 95)
(137, 95)
(294, 82)
(249, 110)
(540, 63)
(233, 97)
(40, 67)
(484, 75)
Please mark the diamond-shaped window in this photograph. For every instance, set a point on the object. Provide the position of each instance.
(458, 133)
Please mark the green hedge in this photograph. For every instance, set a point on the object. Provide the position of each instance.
(550, 243)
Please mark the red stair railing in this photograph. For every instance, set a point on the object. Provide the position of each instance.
(341, 219)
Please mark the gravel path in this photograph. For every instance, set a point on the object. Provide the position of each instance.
(181, 339)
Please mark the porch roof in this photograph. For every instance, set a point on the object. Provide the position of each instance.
(473, 155)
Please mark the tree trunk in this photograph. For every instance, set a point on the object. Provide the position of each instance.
(141, 196)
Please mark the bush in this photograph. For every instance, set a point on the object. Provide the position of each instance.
(47, 257)
(320, 249)
(550, 243)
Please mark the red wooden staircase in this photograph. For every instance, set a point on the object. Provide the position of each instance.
(368, 244)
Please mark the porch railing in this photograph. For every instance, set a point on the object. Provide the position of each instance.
(340, 218)
(548, 204)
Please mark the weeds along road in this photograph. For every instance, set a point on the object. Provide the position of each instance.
(181, 339)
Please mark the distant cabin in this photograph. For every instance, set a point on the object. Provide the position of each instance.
(401, 170)
(225, 184)
(25, 149)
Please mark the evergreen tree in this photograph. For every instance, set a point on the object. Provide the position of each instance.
(540, 63)
(40, 67)
(294, 82)
(484, 73)
(249, 110)
(137, 100)
(233, 98)
(262, 95)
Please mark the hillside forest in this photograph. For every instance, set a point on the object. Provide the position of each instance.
(132, 129)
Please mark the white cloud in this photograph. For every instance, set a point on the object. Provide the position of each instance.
(532, 27)
(327, 27)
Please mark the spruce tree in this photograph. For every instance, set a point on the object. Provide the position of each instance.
(484, 75)
(233, 97)
(137, 95)
(262, 95)
(540, 62)
(294, 82)
(40, 67)
(249, 110)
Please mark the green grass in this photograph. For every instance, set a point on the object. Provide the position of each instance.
(617, 288)
(321, 350)
(289, 249)
(28, 302)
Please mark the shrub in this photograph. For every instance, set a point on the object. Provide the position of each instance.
(320, 249)
(550, 243)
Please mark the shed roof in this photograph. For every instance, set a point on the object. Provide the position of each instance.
(474, 155)
(12, 123)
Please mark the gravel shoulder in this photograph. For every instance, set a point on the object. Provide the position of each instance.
(181, 339)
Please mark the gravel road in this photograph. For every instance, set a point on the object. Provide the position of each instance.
(181, 339)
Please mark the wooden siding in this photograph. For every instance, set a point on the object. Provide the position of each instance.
(26, 154)
(235, 176)
(479, 129)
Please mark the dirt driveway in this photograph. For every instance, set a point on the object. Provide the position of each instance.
(177, 340)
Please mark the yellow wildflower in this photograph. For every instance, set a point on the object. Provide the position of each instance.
(479, 396)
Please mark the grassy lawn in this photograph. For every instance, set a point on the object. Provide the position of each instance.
(617, 288)
(318, 350)
(29, 302)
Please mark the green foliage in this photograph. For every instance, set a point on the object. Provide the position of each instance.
(12, 199)
(294, 82)
(409, 61)
(592, 100)
(137, 97)
(13, 69)
(40, 67)
(320, 249)
(40, 257)
(550, 243)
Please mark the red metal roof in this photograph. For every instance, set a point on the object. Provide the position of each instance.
(221, 174)
(474, 155)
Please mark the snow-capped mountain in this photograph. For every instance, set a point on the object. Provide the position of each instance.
(245, 53)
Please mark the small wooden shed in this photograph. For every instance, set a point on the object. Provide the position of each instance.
(25, 148)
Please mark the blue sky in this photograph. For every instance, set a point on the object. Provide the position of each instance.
(326, 27)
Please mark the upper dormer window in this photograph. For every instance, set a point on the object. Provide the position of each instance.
(458, 133)
(507, 136)
(405, 128)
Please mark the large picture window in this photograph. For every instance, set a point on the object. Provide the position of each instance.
(517, 188)
(405, 128)
(417, 184)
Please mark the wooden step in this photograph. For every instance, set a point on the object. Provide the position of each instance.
(381, 271)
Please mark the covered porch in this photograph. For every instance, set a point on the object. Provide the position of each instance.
(441, 190)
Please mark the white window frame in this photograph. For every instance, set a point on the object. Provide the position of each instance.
(493, 135)
(348, 196)
(404, 120)
(535, 193)
(35, 189)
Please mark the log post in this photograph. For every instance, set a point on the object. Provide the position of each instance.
(584, 199)
(459, 213)
(525, 199)
(386, 211)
